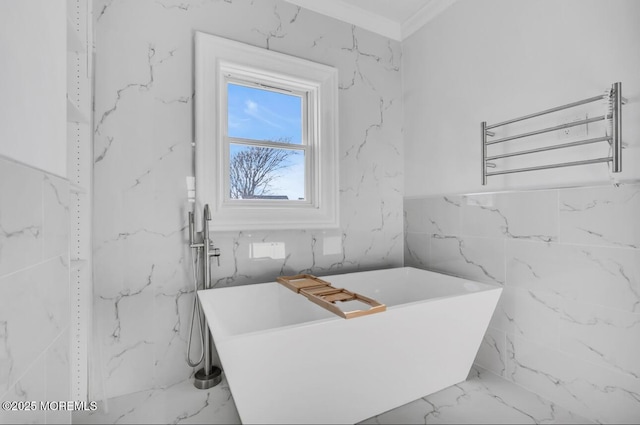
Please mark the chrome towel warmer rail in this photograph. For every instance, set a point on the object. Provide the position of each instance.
(616, 101)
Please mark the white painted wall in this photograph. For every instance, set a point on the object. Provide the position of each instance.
(33, 83)
(493, 60)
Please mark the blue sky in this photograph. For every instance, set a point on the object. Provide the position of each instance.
(266, 115)
(263, 115)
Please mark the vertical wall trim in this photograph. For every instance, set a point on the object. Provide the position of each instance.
(80, 169)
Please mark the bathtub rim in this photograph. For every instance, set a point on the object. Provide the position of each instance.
(220, 338)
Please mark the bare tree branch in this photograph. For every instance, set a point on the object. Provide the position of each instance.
(253, 170)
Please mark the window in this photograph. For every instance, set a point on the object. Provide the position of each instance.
(266, 138)
(267, 142)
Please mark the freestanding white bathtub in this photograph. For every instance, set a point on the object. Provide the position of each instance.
(287, 360)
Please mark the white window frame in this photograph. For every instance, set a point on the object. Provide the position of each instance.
(219, 61)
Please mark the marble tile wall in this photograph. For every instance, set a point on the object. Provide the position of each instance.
(34, 292)
(143, 152)
(567, 326)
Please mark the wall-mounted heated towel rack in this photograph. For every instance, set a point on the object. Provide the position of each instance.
(614, 113)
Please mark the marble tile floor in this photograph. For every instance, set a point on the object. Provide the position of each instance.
(482, 398)
(181, 403)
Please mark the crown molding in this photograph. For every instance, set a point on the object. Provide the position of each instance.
(424, 15)
(353, 15)
(373, 22)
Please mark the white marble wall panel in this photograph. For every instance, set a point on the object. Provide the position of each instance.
(21, 332)
(58, 377)
(598, 393)
(444, 216)
(492, 354)
(30, 387)
(416, 249)
(34, 291)
(590, 274)
(480, 259)
(568, 323)
(142, 147)
(34, 310)
(55, 220)
(415, 215)
(601, 216)
(601, 335)
(127, 322)
(518, 215)
(170, 335)
(532, 314)
(21, 219)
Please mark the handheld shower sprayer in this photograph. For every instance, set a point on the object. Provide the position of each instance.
(192, 230)
(210, 375)
(196, 306)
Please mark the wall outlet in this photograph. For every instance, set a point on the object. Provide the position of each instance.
(191, 188)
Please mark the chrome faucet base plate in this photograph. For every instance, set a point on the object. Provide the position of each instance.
(204, 382)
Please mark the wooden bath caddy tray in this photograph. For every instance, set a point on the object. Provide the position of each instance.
(325, 295)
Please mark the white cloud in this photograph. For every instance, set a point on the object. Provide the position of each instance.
(251, 106)
(258, 112)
